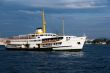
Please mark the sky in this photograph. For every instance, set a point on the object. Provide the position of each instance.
(61, 3)
(90, 17)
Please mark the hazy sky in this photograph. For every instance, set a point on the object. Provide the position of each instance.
(91, 17)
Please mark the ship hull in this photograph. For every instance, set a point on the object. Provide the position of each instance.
(73, 44)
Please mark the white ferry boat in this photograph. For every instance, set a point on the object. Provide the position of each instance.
(42, 41)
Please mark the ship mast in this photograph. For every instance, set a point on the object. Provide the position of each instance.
(63, 29)
(43, 22)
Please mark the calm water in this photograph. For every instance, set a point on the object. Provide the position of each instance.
(94, 59)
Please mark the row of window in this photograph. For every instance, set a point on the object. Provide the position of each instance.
(52, 39)
(50, 44)
(45, 35)
(35, 40)
(68, 37)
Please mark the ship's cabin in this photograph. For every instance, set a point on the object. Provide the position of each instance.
(39, 34)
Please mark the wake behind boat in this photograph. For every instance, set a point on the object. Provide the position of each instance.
(42, 41)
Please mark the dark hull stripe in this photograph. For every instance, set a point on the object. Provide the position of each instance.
(41, 49)
(30, 49)
(71, 50)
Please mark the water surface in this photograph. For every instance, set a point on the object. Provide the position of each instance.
(93, 59)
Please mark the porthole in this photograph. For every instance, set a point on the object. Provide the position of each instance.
(78, 42)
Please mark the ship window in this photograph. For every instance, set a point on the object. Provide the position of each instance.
(55, 44)
(60, 43)
(67, 38)
(49, 44)
(78, 43)
(34, 40)
(60, 37)
(33, 35)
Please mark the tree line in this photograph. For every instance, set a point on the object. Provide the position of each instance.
(99, 41)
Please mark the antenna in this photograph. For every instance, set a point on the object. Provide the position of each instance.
(63, 29)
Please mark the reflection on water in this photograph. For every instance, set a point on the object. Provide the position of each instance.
(58, 54)
(71, 54)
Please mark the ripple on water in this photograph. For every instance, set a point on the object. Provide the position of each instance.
(94, 59)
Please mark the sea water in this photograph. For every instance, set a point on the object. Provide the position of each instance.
(93, 59)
